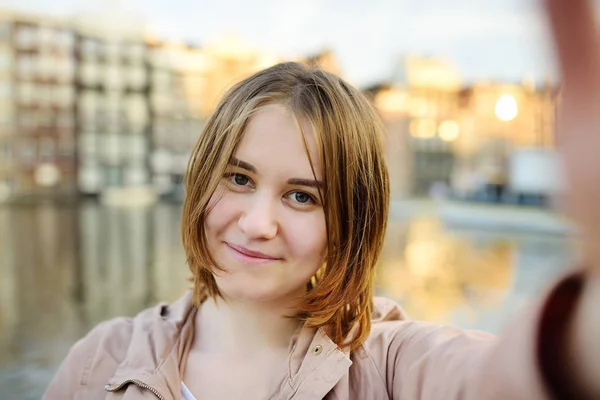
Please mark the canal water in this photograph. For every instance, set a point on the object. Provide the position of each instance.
(65, 268)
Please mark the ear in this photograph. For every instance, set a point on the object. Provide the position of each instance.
(318, 276)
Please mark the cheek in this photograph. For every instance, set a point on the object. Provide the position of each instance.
(308, 237)
(222, 212)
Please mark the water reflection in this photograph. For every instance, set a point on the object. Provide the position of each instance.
(473, 279)
(130, 257)
(440, 272)
(63, 269)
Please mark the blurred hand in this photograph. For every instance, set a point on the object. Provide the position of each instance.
(576, 42)
(578, 136)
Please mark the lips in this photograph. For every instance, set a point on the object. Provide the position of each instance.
(251, 253)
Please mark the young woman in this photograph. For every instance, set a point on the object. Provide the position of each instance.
(286, 210)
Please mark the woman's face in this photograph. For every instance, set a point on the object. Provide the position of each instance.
(267, 226)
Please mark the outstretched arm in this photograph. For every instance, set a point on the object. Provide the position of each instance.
(577, 46)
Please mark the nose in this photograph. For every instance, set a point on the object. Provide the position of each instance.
(258, 221)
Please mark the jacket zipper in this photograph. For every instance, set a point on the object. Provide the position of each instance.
(141, 384)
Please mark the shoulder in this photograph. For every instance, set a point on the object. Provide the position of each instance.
(108, 339)
(391, 325)
(111, 338)
(93, 358)
(395, 339)
(391, 329)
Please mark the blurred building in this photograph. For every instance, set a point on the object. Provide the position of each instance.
(113, 119)
(419, 108)
(92, 105)
(502, 126)
(392, 105)
(448, 138)
(177, 84)
(36, 112)
(229, 60)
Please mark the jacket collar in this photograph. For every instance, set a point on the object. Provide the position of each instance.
(316, 365)
(162, 337)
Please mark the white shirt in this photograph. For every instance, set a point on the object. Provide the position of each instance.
(185, 393)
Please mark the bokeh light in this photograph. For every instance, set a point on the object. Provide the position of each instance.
(423, 128)
(507, 108)
(449, 131)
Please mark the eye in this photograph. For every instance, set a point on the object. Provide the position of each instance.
(302, 198)
(238, 179)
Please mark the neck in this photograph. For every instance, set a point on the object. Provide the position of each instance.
(242, 328)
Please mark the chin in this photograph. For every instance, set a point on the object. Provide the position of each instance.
(255, 292)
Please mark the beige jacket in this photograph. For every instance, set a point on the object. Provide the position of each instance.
(139, 358)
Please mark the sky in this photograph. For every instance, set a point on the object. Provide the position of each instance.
(503, 40)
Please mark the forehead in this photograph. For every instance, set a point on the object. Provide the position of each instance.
(273, 142)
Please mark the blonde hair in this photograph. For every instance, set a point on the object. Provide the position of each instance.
(355, 192)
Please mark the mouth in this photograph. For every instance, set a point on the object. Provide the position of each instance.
(250, 256)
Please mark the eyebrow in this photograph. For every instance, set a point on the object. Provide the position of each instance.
(306, 182)
(242, 164)
(292, 181)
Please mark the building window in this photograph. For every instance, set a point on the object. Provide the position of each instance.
(27, 152)
(25, 37)
(6, 152)
(26, 66)
(90, 49)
